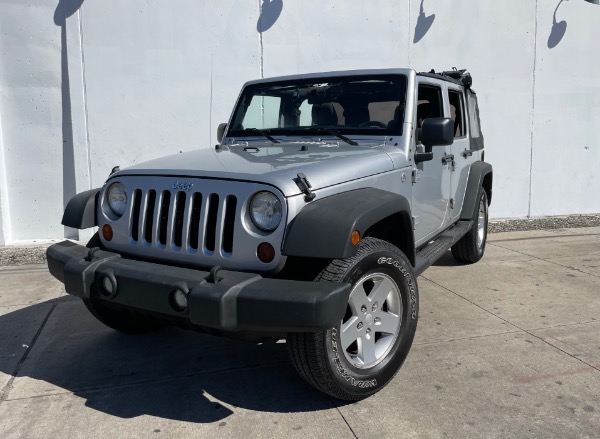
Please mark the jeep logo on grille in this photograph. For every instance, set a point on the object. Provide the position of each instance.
(182, 186)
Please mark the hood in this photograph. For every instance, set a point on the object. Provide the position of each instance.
(323, 163)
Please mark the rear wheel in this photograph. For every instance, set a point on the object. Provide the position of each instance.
(361, 354)
(471, 247)
(117, 319)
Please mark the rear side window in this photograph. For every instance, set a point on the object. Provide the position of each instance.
(457, 112)
(474, 116)
(474, 121)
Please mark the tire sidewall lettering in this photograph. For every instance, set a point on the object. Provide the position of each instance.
(412, 291)
(339, 367)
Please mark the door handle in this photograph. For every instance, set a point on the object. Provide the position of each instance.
(467, 153)
(447, 159)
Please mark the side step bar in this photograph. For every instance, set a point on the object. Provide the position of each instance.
(436, 248)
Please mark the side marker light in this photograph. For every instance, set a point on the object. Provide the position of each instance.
(107, 232)
(355, 237)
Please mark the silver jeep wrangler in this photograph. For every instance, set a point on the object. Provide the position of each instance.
(326, 197)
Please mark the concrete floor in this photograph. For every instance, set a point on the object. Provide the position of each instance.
(509, 347)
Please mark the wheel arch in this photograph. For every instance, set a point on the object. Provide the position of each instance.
(324, 227)
(487, 185)
(393, 230)
(80, 212)
(480, 175)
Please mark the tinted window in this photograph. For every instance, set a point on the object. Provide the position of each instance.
(457, 112)
(367, 105)
(429, 103)
(263, 112)
(474, 116)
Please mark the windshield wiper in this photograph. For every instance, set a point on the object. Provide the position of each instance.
(333, 133)
(256, 130)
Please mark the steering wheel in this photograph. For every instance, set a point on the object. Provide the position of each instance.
(373, 123)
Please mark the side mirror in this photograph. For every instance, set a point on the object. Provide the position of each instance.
(221, 131)
(436, 131)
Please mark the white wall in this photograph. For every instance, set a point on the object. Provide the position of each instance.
(87, 85)
(566, 128)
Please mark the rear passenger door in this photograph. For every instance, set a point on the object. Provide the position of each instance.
(459, 166)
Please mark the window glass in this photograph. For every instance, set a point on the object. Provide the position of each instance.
(384, 112)
(305, 114)
(371, 104)
(429, 103)
(455, 99)
(473, 119)
(263, 112)
(324, 114)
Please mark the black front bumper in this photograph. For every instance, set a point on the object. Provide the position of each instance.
(235, 301)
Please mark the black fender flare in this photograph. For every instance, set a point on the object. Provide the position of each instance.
(480, 172)
(324, 227)
(80, 212)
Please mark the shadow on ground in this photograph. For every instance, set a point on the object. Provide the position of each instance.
(447, 261)
(171, 373)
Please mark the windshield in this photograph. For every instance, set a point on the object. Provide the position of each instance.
(368, 105)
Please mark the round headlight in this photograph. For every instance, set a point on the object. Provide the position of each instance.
(117, 198)
(265, 211)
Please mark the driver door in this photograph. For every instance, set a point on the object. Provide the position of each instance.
(431, 179)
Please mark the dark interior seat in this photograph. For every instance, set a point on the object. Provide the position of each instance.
(355, 116)
(324, 115)
(395, 122)
(424, 110)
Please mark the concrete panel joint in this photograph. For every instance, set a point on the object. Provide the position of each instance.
(5, 225)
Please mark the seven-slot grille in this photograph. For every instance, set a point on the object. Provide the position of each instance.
(190, 221)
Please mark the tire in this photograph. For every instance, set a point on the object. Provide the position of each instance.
(117, 319)
(471, 247)
(354, 360)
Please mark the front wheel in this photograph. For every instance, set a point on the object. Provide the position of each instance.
(360, 355)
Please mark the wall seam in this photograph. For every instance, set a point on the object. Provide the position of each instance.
(5, 221)
(409, 28)
(260, 41)
(85, 107)
(210, 110)
(532, 138)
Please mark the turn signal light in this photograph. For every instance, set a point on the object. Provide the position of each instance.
(355, 237)
(107, 232)
(265, 252)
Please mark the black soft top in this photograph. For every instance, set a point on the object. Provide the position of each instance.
(463, 78)
(460, 77)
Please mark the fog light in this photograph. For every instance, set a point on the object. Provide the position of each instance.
(107, 285)
(107, 232)
(179, 299)
(265, 252)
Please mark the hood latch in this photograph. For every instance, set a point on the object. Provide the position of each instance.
(304, 185)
